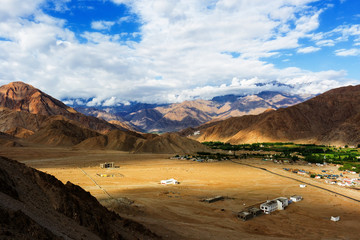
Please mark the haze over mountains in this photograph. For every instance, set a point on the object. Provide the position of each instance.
(178, 116)
(330, 118)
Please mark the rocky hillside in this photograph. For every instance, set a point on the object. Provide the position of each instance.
(61, 133)
(35, 205)
(24, 98)
(330, 118)
(29, 116)
(170, 143)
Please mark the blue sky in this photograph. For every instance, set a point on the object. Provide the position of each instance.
(116, 51)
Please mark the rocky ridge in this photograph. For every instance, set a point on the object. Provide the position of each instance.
(330, 118)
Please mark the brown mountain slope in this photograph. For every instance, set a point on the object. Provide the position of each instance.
(114, 140)
(23, 97)
(171, 143)
(7, 140)
(35, 205)
(61, 133)
(138, 143)
(331, 117)
(20, 132)
(10, 119)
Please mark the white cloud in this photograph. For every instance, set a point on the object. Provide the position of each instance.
(348, 52)
(342, 33)
(326, 43)
(102, 25)
(110, 102)
(346, 31)
(17, 8)
(293, 80)
(182, 41)
(308, 49)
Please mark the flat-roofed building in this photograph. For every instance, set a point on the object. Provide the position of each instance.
(282, 202)
(269, 206)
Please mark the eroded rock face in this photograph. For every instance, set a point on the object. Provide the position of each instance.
(35, 205)
(21, 97)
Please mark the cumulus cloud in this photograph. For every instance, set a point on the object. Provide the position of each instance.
(308, 49)
(348, 52)
(340, 34)
(102, 25)
(18, 8)
(110, 102)
(182, 41)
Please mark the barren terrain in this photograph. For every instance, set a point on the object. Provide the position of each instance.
(176, 212)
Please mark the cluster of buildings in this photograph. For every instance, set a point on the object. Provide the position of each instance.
(197, 159)
(338, 179)
(268, 207)
(345, 182)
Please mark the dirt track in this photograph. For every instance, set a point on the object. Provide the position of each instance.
(175, 212)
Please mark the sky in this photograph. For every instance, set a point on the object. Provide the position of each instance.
(165, 51)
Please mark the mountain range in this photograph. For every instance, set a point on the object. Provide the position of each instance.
(330, 118)
(177, 116)
(29, 116)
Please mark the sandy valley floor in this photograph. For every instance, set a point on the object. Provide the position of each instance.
(176, 212)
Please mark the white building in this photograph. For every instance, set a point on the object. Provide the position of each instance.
(302, 185)
(169, 181)
(296, 198)
(269, 206)
(335, 219)
(282, 202)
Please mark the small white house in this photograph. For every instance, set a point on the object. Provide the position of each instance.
(269, 206)
(169, 181)
(296, 198)
(282, 203)
(302, 185)
(335, 219)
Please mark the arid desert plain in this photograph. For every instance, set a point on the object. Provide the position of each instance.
(133, 190)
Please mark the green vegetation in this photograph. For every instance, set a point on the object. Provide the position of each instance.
(207, 155)
(347, 156)
(351, 167)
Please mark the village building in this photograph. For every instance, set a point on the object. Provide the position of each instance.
(269, 206)
(169, 181)
(255, 211)
(296, 198)
(107, 165)
(245, 215)
(282, 202)
(214, 199)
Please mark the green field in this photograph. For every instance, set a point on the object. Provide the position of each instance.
(348, 157)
